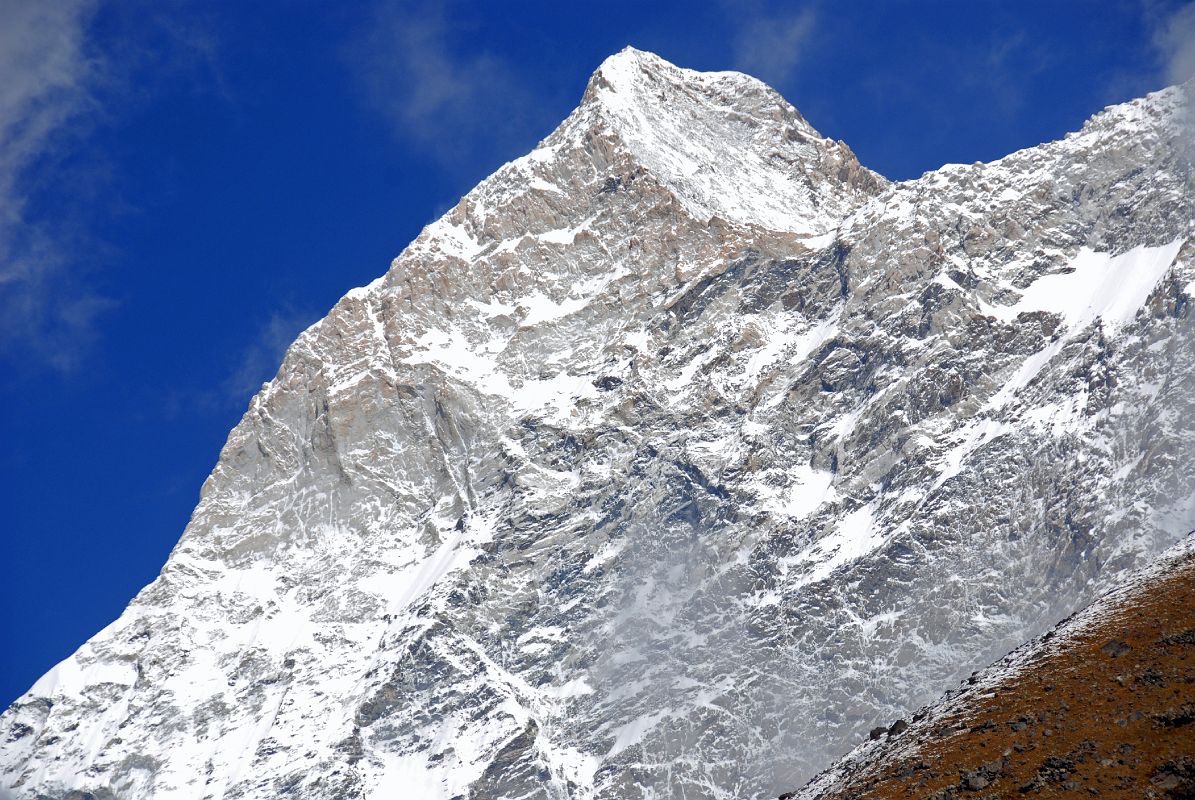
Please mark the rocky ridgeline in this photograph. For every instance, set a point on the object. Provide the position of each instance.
(678, 453)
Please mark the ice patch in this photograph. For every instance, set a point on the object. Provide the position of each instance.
(1098, 286)
(543, 186)
(1030, 368)
(451, 240)
(477, 365)
(540, 308)
(809, 489)
(632, 733)
(796, 345)
(577, 687)
(559, 235)
(855, 536)
(492, 308)
(974, 436)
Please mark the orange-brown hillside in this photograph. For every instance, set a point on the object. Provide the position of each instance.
(1103, 706)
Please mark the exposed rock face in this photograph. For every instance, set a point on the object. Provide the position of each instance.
(1077, 712)
(675, 455)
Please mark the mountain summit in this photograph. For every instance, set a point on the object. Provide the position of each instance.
(727, 144)
(676, 455)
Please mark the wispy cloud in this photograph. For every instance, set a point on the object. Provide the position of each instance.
(459, 104)
(263, 354)
(1003, 69)
(247, 367)
(770, 44)
(1175, 38)
(58, 83)
(46, 313)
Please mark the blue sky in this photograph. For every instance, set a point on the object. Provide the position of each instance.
(184, 186)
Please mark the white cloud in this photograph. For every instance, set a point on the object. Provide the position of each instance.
(45, 313)
(457, 105)
(256, 361)
(1175, 37)
(263, 355)
(45, 70)
(770, 45)
(53, 75)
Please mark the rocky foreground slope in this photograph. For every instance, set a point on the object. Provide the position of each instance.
(677, 454)
(1103, 705)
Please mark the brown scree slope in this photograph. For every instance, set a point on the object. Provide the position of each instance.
(1103, 706)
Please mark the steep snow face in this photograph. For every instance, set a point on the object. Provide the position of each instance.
(626, 481)
(729, 145)
(1097, 286)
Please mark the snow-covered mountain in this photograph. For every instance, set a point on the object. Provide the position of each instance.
(674, 457)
